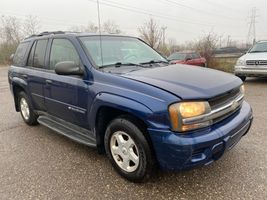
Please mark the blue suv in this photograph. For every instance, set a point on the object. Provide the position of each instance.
(117, 94)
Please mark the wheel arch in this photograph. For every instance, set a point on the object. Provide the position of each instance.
(17, 88)
(107, 107)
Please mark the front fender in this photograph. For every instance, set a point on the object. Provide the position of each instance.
(121, 103)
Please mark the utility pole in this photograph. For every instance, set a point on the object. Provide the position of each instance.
(228, 40)
(163, 34)
(252, 27)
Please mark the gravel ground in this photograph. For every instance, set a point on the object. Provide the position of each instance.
(37, 163)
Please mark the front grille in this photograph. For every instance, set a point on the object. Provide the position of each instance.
(223, 99)
(256, 62)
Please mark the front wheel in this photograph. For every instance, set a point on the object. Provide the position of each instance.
(243, 78)
(128, 150)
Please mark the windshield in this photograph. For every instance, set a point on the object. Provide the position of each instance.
(177, 56)
(259, 47)
(121, 50)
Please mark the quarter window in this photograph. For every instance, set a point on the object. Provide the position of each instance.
(19, 56)
(63, 50)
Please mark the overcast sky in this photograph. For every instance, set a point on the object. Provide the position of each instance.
(185, 19)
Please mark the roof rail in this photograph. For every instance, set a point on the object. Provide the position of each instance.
(46, 33)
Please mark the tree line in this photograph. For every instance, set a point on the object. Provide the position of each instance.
(13, 30)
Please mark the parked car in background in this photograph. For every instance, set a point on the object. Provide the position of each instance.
(253, 63)
(126, 100)
(189, 58)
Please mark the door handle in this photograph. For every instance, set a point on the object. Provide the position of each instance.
(49, 81)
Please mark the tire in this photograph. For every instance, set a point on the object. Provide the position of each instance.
(243, 78)
(128, 150)
(26, 110)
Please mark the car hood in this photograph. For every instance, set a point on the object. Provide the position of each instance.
(187, 82)
(255, 56)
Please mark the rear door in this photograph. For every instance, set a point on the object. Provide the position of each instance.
(36, 73)
(66, 97)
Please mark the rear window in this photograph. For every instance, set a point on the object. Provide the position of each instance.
(19, 57)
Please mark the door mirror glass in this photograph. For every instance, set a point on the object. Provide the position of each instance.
(68, 68)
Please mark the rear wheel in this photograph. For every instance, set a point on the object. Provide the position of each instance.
(128, 150)
(26, 110)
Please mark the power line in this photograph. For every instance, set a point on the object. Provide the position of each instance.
(145, 12)
(200, 10)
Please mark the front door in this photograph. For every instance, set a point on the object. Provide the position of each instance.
(66, 97)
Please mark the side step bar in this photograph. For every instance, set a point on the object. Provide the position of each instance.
(69, 130)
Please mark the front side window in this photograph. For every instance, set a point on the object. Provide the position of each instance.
(19, 56)
(113, 49)
(63, 50)
(39, 54)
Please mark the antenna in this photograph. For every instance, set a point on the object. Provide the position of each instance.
(100, 35)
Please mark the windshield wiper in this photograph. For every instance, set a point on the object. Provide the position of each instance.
(154, 61)
(119, 64)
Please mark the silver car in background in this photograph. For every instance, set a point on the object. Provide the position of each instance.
(253, 63)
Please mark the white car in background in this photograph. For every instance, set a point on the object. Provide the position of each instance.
(253, 63)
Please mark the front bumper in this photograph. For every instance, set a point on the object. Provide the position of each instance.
(251, 71)
(175, 151)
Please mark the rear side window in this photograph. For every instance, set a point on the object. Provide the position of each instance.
(19, 57)
(39, 54)
(63, 50)
(30, 58)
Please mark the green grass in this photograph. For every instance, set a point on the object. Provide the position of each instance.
(224, 64)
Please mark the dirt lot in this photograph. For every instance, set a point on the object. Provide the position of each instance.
(36, 163)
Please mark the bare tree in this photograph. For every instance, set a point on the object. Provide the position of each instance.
(10, 30)
(207, 45)
(31, 26)
(90, 28)
(151, 33)
(111, 27)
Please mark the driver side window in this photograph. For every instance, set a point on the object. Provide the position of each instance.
(63, 50)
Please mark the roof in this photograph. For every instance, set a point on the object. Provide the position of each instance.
(69, 33)
(262, 41)
(185, 51)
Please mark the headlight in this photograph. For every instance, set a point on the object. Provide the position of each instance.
(240, 62)
(242, 89)
(186, 110)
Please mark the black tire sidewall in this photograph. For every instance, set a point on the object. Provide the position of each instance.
(144, 169)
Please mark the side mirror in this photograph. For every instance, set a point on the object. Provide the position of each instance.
(68, 68)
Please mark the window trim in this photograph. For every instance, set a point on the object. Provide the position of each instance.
(33, 45)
